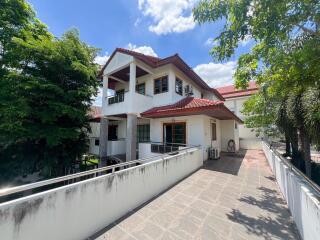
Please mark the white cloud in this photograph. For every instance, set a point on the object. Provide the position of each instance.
(147, 50)
(245, 41)
(216, 74)
(101, 60)
(168, 15)
(137, 22)
(211, 42)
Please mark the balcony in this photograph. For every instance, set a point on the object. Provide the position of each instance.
(116, 99)
(120, 104)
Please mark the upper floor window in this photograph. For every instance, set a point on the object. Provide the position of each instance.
(179, 86)
(141, 88)
(161, 85)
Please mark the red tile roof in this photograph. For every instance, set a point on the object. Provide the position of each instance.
(155, 62)
(192, 106)
(231, 92)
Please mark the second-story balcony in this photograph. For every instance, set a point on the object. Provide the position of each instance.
(116, 98)
(126, 76)
(120, 103)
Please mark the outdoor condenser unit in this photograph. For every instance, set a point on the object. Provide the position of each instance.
(213, 153)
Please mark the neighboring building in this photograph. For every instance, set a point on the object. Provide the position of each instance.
(234, 100)
(160, 101)
(94, 135)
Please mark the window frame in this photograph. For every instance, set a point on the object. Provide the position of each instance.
(161, 85)
(143, 132)
(180, 87)
(184, 124)
(144, 88)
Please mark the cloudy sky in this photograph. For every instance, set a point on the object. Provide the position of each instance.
(155, 27)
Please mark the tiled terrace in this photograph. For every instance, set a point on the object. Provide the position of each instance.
(233, 198)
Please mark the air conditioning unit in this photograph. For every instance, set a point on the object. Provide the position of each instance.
(213, 153)
(188, 90)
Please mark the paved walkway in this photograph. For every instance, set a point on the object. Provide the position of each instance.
(233, 198)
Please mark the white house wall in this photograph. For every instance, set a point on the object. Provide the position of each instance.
(198, 131)
(185, 81)
(93, 135)
(118, 60)
(248, 137)
(229, 132)
(143, 103)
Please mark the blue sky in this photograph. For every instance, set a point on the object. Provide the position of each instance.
(158, 27)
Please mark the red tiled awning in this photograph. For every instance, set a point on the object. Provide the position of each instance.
(192, 106)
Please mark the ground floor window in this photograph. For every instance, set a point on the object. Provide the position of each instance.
(174, 133)
(112, 132)
(143, 133)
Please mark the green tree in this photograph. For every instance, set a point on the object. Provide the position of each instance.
(285, 58)
(46, 89)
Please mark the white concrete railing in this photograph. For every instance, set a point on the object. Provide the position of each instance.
(303, 200)
(116, 147)
(78, 210)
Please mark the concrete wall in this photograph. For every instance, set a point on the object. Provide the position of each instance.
(228, 132)
(116, 147)
(302, 199)
(145, 151)
(250, 143)
(79, 210)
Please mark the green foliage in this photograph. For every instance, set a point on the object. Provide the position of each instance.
(46, 89)
(285, 57)
(270, 21)
(284, 61)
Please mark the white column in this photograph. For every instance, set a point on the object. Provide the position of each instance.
(103, 141)
(131, 140)
(105, 92)
(132, 87)
(172, 83)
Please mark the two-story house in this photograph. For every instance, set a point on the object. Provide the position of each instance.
(158, 100)
(234, 100)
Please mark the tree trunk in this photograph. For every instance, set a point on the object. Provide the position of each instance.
(306, 153)
(295, 145)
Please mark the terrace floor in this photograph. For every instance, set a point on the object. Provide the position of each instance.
(235, 197)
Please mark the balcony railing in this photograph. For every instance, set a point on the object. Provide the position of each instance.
(165, 147)
(116, 99)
